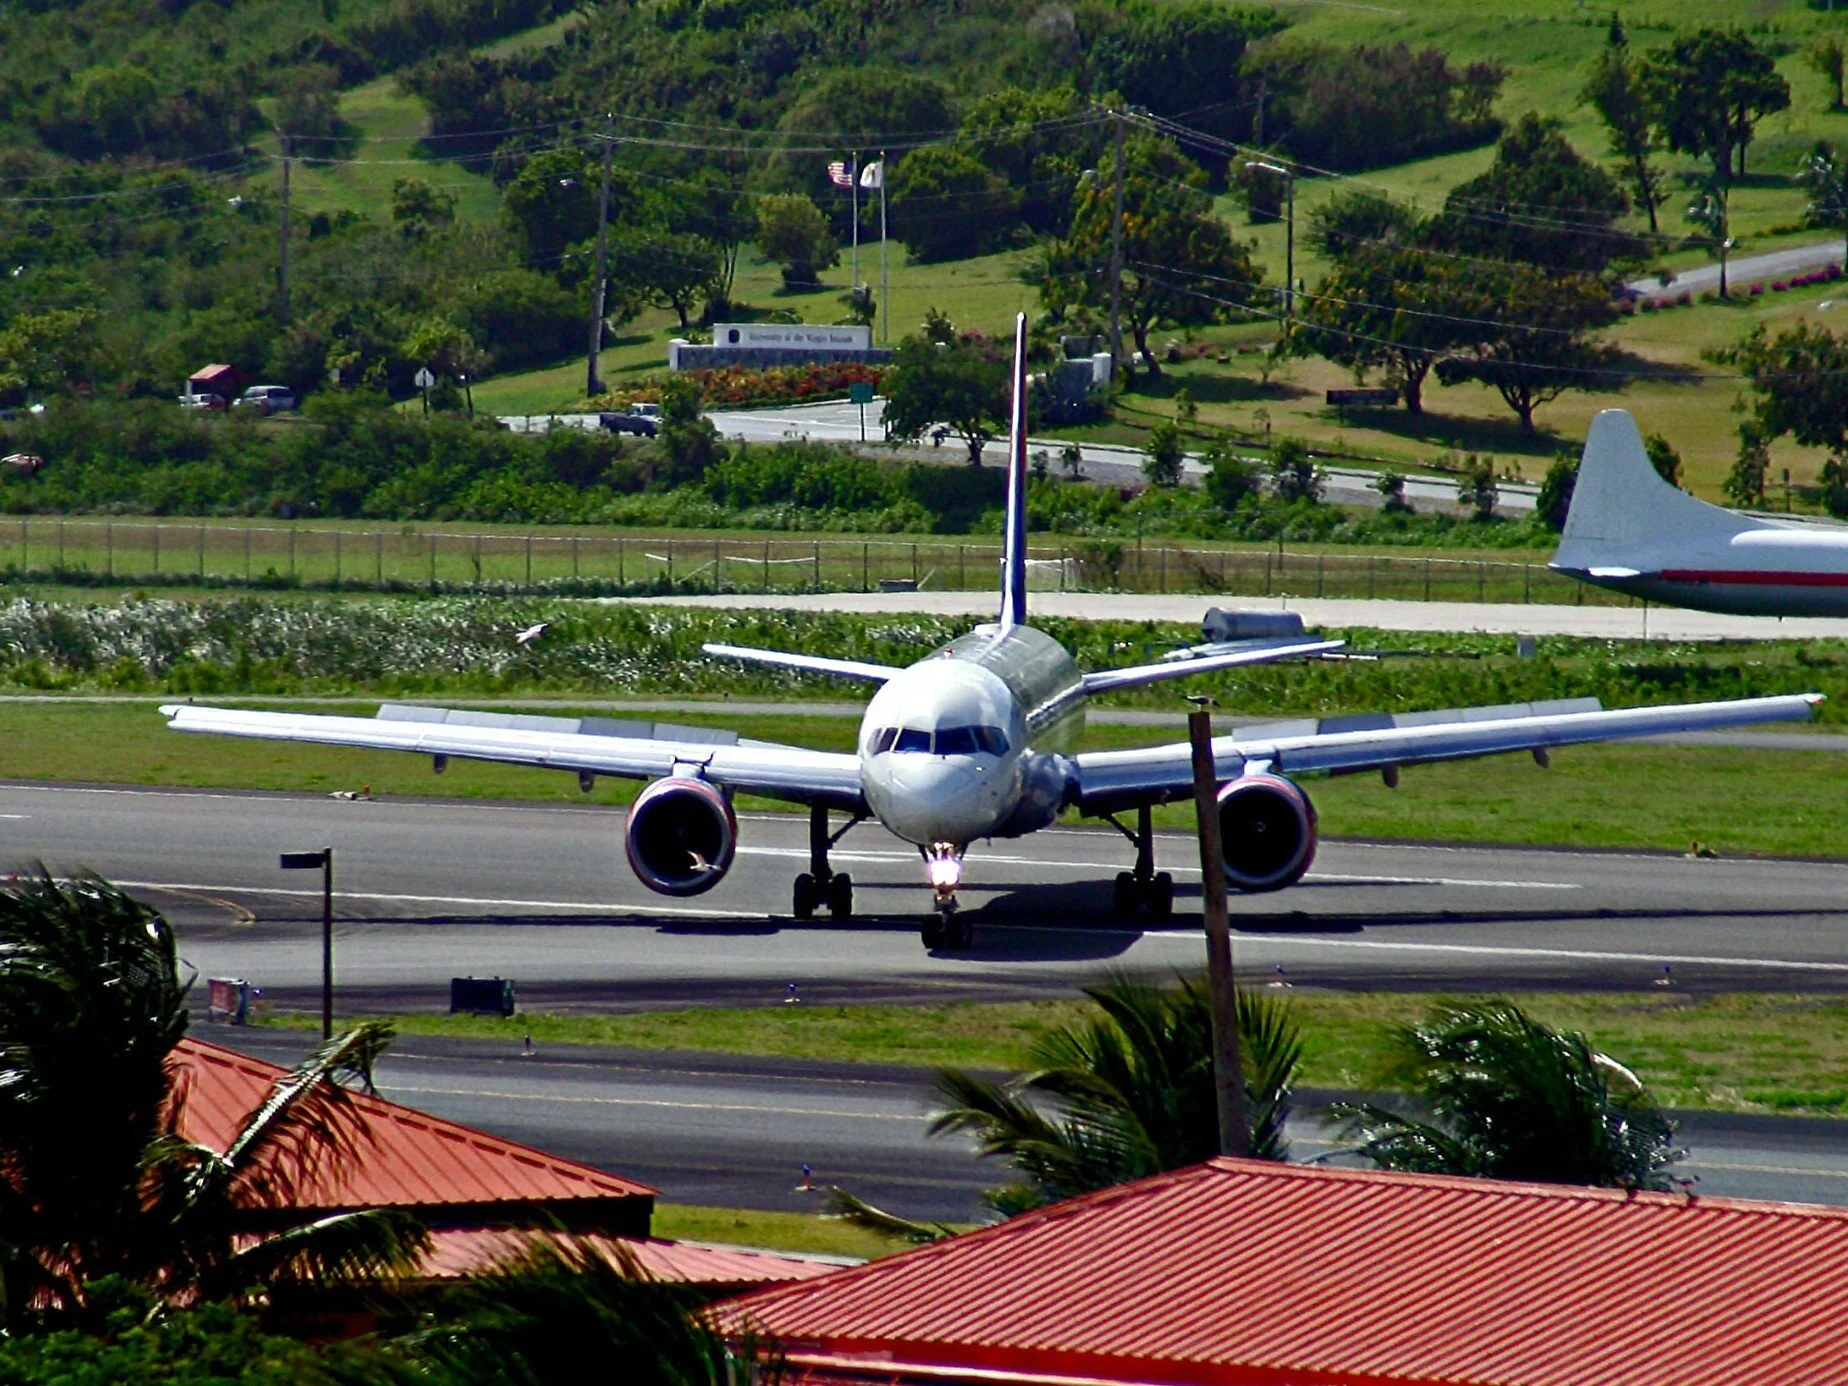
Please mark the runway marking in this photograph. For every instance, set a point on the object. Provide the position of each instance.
(1494, 951)
(15, 815)
(450, 900)
(1763, 1169)
(657, 1102)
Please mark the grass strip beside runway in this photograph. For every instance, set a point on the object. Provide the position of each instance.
(756, 1227)
(1733, 800)
(1740, 1052)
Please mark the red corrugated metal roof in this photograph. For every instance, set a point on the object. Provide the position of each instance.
(407, 1159)
(466, 1251)
(1250, 1272)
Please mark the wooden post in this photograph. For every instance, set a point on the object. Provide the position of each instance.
(1228, 1069)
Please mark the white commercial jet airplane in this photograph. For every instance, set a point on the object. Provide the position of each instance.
(1631, 531)
(975, 741)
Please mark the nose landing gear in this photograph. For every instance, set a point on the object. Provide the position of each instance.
(821, 886)
(1143, 891)
(948, 928)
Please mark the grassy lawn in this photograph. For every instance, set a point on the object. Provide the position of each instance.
(1653, 797)
(1735, 1052)
(811, 1232)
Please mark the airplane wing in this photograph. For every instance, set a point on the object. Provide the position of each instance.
(1113, 780)
(1185, 667)
(812, 664)
(591, 746)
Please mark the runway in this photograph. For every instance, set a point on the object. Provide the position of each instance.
(735, 1132)
(428, 890)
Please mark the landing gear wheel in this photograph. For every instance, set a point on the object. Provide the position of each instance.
(840, 898)
(1123, 899)
(935, 932)
(1159, 895)
(959, 931)
(806, 897)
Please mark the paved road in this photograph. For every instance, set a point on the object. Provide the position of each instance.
(429, 890)
(735, 1131)
(1744, 270)
(839, 422)
(1503, 618)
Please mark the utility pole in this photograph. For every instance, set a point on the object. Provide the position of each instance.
(1289, 235)
(282, 252)
(1228, 1071)
(322, 861)
(885, 271)
(593, 380)
(1257, 121)
(1116, 254)
(853, 194)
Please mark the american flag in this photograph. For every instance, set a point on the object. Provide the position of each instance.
(838, 175)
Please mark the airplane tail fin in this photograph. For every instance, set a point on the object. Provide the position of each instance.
(1014, 553)
(1622, 508)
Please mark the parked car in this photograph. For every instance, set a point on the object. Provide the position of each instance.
(214, 403)
(26, 463)
(267, 399)
(643, 420)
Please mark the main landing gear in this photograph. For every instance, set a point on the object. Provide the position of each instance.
(821, 887)
(1143, 891)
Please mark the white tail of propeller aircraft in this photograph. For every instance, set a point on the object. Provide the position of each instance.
(1633, 532)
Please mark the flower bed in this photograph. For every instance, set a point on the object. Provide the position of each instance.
(740, 387)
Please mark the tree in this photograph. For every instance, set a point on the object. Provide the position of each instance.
(1181, 264)
(552, 204)
(1230, 476)
(1542, 203)
(792, 231)
(1390, 309)
(1476, 488)
(1033, 140)
(418, 210)
(1709, 211)
(1829, 58)
(1709, 89)
(47, 353)
(1664, 458)
(1799, 382)
(447, 351)
(1827, 182)
(1294, 475)
(1133, 1089)
(1161, 460)
(689, 443)
(1745, 482)
(863, 107)
(668, 269)
(95, 1181)
(1178, 60)
(1619, 94)
(1554, 502)
(1533, 346)
(961, 385)
(1353, 223)
(945, 205)
(1512, 1098)
(1391, 487)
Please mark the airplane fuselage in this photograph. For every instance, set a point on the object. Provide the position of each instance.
(968, 743)
(1801, 570)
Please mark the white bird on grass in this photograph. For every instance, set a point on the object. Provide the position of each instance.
(531, 633)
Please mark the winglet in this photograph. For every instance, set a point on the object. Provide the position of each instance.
(1014, 560)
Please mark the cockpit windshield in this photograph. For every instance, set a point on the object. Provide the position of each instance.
(945, 741)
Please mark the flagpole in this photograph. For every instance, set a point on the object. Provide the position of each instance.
(885, 275)
(853, 173)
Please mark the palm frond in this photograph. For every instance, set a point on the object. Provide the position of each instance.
(859, 1213)
(370, 1246)
(306, 1125)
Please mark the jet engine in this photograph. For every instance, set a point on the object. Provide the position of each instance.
(1267, 832)
(681, 835)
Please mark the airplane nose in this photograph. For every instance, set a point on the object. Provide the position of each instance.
(934, 799)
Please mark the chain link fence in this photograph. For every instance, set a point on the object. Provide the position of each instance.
(283, 554)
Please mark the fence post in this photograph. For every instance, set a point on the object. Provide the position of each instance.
(201, 550)
(432, 538)
(1369, 577)
(246, 553)
(766, 573)
(865, 555)
(1527, 582)
(670, 564)
(157, 548)
(620, 579)
(962, 582)
(1162, 570)
(818, 565)
(477, 559)
(291, 550)
(378, 557)
(529, 560)
(60, 544)
(25, 544)
(1427, 579)
(574, 557)
(336, 558)
(1482, 580)
(1267, 572)
(109, 549)
(1321, 573)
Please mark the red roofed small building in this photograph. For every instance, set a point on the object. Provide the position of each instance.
(1248, 1273)
(484, 1199)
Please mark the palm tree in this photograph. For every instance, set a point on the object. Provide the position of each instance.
(555, 1312)
(1127, 1094)
(1512, 1098)
(95, 1180)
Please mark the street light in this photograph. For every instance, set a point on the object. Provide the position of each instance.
(322, 861)
(1289, 233)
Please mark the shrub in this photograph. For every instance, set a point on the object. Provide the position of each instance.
(1756, 290)
(1779, 286)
